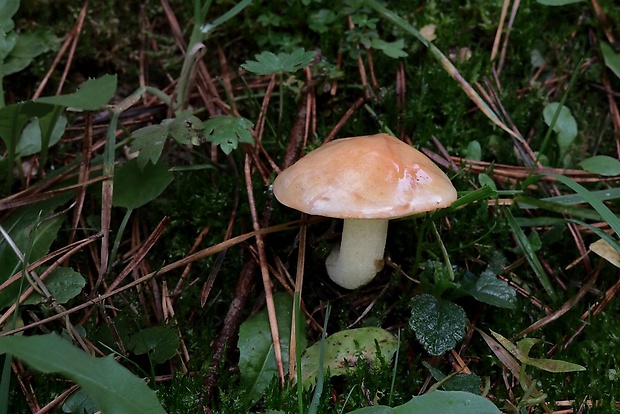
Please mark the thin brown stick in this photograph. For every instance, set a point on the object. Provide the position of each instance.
(260, 244)
(76, 37)
(500, 29)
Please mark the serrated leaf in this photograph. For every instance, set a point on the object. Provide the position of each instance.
(185, 127)
(391, 49)
(602, 165)
(344, 348)
(91, 95)
(257, 363)
(489, 289)
(150, 140)
(565, 126)
(149, 143)
(134, 187)
(444, 402)
(228, 132)
(110, 385)
(268, 63)
(438, 324)
(64, 284)
(612, 59)
(159, 342)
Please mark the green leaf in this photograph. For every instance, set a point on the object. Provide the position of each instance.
(110, 385)
(391, 49)
(530, 255)
(7, 43)
(595, 202)
(489, 289)
(228, 132)
(14, 117)
(344, 348)
(90, 96)
(438, 324)
(565, 125)
(444, 402)
(30, 140)
(521, 352)
(159, 342)
(134, 187)
(257, 362)
(8, 8)
(268, 63)
(64, 284)
(149, 142)
(23, 229)
(79, 403)
(612, 59)
(474, 150)
(459, 382)
(27, 47)
(320, 20)
(602, 165)
(558, 2)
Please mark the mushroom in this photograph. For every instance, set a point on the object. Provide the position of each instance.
(366, 181)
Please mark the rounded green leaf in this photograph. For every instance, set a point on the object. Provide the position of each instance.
(602, 165)
(438, 324)
(134, 187)
(159, 341)
(343, 349)
(64, 284)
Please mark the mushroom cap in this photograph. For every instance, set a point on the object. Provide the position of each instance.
(367, 177)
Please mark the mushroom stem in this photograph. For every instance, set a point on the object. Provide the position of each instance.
(360, 255)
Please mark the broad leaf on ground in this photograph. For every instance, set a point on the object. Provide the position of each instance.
(602, 165)
(489, 289)
(257, 363)
(134, 187)
(159, 342)
(444, 402)
(565, 125)
(110, 385)
(438, 324)
(612, 58)
(64, 284)
(344, 348)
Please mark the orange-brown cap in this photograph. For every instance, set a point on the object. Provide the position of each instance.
(367, 177)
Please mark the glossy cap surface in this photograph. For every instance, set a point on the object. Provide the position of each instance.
(376, 176)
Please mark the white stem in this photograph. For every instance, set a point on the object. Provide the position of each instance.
(360, 255)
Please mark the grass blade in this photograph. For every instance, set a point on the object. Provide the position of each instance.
(530, 255)
(596, 203)
(320, 379)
